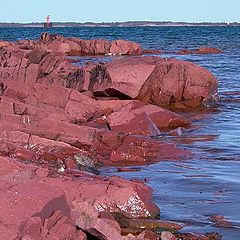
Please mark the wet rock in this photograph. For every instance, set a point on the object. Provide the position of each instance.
(88, 219)
(152, 224)
(151, 51)
(148, 235)
(214, 236)
(220, 221)
(129, 199)
(208, 50)
(201, 50)
(162, 118)
(191, 236)
(141, 150)
(140, 124)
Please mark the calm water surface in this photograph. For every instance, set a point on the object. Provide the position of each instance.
(209, 184)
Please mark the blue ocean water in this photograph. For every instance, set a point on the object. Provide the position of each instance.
(188, 191)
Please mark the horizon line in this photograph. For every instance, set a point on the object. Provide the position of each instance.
(130, 21)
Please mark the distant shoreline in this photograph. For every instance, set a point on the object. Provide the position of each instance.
(123, 24)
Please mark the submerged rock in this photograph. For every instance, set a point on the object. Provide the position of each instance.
(201, 50)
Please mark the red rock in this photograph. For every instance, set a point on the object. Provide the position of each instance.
(81, 107)
(202, 50)
(142, 150)
(95, 47)
(167, 236)
(32, 73)
(133, 200)
(154, 80)
(162, 118)
(4, 43)
(185, 51)
(149, 235)
(6, 107)
(221, 221)
(124, 76)
(151, 51)
(52, 95)
(181, 82)
(208, 50)
(138, 124)
(31, 201)
(122, 47)
(8, 167)
(88, 219)
(191, 236)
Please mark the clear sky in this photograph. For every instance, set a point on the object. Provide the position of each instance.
(120, 10)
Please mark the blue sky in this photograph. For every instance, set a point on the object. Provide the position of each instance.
(120, 10)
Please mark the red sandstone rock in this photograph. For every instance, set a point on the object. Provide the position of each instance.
(202, 50)
(155, 80)
(122, 47)
(31, 205)
(89, 219)
(185, 51)
(39, 123)
(4, 44)
(49, 201)
(81, 107)
(167, 236)
(71, 46)
(220, 221)
(208, 50)
(124, 76)
(142, 150)
(95, 47)
(148, 235)
(139, 124)
(162, 118)
(191, 236)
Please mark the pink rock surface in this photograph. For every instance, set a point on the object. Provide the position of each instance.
(44, 205)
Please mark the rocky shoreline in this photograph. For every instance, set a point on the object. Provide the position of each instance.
(60, 122)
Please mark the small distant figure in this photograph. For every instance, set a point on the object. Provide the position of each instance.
(48, 23)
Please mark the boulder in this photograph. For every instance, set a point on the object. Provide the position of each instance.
(154, 80)
(161, 117)
(137, 124)
(122, 47)
(95, 47)
(81, 107)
